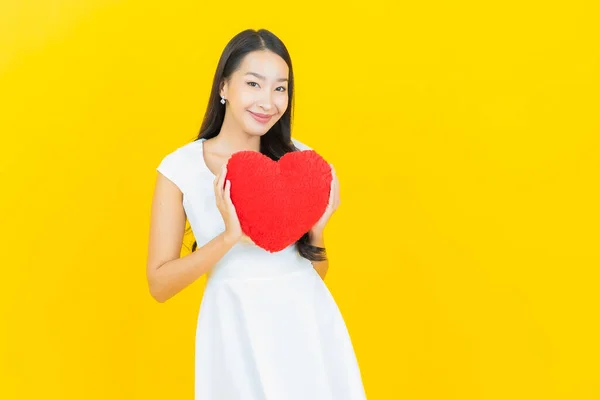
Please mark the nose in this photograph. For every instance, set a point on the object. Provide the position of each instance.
(266, 102)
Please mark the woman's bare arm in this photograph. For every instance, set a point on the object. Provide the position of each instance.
(167, 272)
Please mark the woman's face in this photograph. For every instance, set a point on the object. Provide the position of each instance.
(256, 94)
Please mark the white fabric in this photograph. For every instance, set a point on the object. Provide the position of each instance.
(268, 327)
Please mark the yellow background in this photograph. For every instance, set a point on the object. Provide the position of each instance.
(464, 256)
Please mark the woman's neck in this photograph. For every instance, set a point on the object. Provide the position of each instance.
(232, 139)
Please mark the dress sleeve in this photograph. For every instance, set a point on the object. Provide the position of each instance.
(301, 146)
(172, 168)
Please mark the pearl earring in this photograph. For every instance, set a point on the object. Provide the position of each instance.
(222, 100)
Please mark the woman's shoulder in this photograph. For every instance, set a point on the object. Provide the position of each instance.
(185, 151)
(176, 164)
(300, 145)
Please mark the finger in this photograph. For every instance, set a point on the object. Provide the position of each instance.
(215, 184)
(333, 177)
(331, 189)
(218, 177)
(228, 192)
(337, 192)
(332, 192)
(221, 183)
(334, 188)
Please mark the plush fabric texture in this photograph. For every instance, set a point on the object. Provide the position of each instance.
(277, 202)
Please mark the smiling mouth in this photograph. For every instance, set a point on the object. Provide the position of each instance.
(262, 115)
(262, 118)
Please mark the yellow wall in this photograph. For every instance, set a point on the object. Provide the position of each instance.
(465, 252)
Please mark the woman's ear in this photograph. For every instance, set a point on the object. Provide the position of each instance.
(223, 89)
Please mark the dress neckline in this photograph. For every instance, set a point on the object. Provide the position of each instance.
(203, 159)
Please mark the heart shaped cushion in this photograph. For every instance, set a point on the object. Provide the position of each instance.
(277, 202)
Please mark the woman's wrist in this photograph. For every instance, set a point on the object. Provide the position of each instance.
(316, 237)
(316, 232)
(230, 239)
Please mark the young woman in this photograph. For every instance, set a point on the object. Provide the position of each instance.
(268, 327)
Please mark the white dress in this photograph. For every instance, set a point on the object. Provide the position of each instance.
(268, 327)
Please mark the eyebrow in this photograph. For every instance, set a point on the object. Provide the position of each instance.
(259, 76)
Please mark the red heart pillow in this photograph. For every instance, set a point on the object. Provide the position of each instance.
(277, 202)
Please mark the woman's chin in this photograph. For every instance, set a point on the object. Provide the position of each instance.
(255, 131)
(254, 127)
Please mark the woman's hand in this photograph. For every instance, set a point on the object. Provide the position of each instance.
(332, 205)
(233, 230)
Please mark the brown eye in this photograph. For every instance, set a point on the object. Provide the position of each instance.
(250, 83)
(281, 87)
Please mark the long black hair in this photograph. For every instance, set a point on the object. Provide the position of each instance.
(277, 141)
